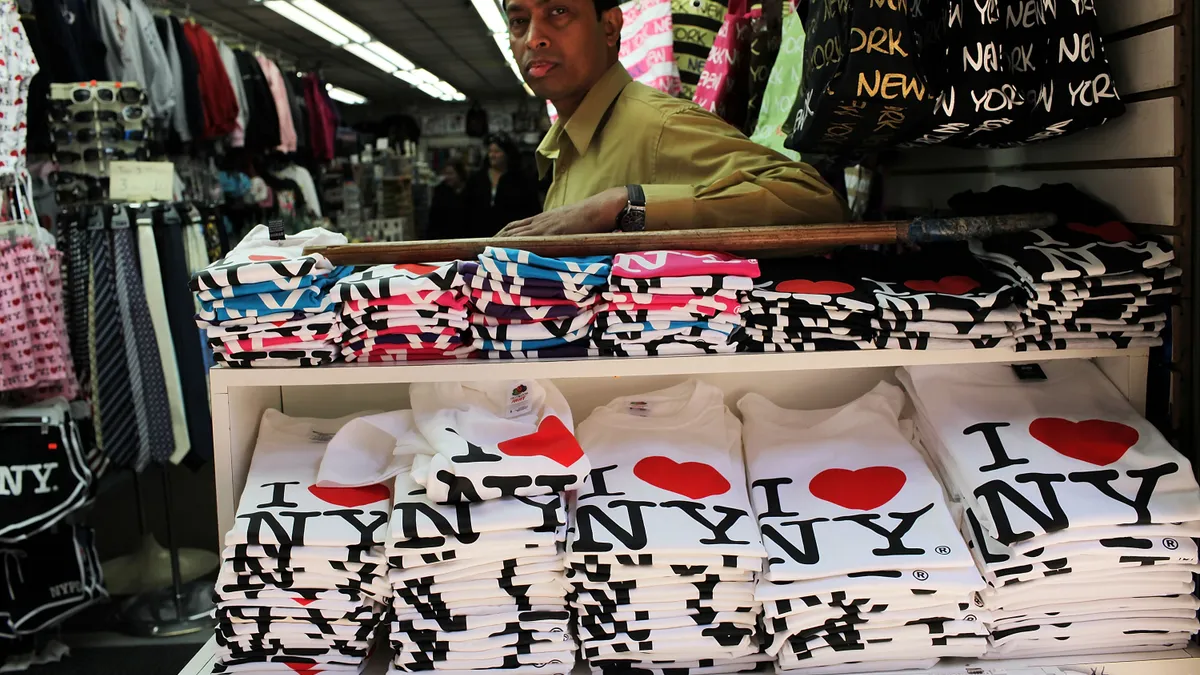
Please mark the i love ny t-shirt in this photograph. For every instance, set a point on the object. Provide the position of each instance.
(494, 439)
(667, 477)
(841, 491)
(1035, 457)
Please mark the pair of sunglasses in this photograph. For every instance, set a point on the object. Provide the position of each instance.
(106, 94)
(63, 113)
(90, 135)
(96, 154)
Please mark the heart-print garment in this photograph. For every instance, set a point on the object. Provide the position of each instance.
(1073, 251)
(493, 439)
(1035, 458)
(595, 265)
(572, 350)
(282, 479)
(302, 579)
(400, 281)
(678, 451)
(675, 264)
(525, 287)
(269, 286)
(506, 308)
(258, 258)
(309, 325)
(667, 345)
(279, 358)
(705, 283)
(852, 472)
(496, 269)
(942, 276)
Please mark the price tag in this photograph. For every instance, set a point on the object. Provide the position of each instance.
(141, 181)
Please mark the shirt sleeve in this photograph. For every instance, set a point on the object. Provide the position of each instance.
(707, 174)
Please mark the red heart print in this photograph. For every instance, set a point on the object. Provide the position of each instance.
(303, 602)
(694, 480)
(305, 668)
(416, 268)
(351, 497)
(265, 258)
(956, 285)
(862, 490)
(552, 440)
(1112, 231)
(1098, 442)
(806, 287)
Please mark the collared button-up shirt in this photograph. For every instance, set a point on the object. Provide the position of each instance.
(696, 170)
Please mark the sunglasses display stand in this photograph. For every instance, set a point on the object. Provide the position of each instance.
(94, 123)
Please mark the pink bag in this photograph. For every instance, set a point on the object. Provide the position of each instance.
(648, 46)
(728, 53)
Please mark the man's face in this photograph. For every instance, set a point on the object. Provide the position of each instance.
(560, 45)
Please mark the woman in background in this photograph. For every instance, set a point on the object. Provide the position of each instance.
(448, 212)
(501, 192)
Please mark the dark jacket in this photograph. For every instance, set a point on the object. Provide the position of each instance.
(448, 214)
(516, 199)
(192, 101)
(262, 129)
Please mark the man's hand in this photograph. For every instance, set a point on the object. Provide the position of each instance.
(594, 214)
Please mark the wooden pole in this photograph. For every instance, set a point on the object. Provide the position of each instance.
(729, 239)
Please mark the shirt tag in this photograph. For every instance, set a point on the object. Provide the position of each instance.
(639, 408)
(519, 402)
(320, 436)
(1029, 372)
(275, 230)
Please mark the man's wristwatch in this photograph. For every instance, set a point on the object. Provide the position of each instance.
(633, 217)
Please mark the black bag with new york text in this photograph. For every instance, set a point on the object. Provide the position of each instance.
(864, 87)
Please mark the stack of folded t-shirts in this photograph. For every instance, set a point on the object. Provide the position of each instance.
(267, 304)
(866, 570)
(672, 302)
(1086, 287)
(663, 550)
(937, 298)
(806, 305)
(529, 306)
(302, 581)
(1078, 512)
(402, 313)
(475, 552)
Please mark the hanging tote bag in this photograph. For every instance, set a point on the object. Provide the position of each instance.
(648, 45)
(766, 32)
(718, 73)
(694, 25)
(777, 113)
(863, 86)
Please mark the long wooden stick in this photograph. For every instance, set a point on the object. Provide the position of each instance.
(731, 239)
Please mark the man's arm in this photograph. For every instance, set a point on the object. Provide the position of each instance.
(709, 175)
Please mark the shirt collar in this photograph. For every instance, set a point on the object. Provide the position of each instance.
(582, 126)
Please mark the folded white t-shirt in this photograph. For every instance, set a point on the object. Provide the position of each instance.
(492, 439)
(667, 478)
(1034, 457)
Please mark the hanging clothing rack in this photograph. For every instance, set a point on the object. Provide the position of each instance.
(230, 36)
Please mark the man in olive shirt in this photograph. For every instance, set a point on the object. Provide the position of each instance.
(617, 140)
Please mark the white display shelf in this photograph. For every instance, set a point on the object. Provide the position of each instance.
(813, 380)
(222, 379)
(1180, 662)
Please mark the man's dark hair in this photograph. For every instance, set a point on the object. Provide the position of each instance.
(603, 6)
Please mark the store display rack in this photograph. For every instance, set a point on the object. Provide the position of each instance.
(813, 380)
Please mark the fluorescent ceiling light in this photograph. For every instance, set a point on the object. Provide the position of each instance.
(447, 88)
(489, 11)
(371, 57)
(334, 20)
(423, 76)
(344, 95)
(391, 55)
(289, 12)
(432, 91)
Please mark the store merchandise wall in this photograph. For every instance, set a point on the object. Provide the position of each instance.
(1139, 163)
